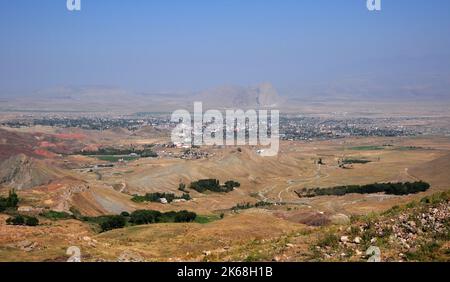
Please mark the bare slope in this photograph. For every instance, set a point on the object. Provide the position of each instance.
(23, 172)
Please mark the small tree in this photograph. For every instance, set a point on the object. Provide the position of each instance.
(125, 214)
(113, 222)
(12, 199)
(182, 187)
(16, 220)
(31, 221)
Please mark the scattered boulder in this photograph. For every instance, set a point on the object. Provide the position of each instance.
(340, 219)
(26, 245)
(130, 256)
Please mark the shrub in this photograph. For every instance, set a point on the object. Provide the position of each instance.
(205, 184)
(31, 221)
(329, 240)
(185, 216)
(125, 214)
(55, 215)
(182, 187)
(112, 222)
(144, 216)
(23, 220)
(16, 220)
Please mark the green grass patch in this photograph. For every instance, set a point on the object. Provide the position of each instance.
(55, 215)
(111, 158)
(204, 219)
(367, 148)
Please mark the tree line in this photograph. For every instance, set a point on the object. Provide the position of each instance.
(140, 217)
(400, 188)
(145, 153)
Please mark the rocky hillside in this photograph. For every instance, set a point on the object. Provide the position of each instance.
(23, 172)
(419, 231)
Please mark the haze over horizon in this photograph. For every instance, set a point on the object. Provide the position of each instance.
(304, 48)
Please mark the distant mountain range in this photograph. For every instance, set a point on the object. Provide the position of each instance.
(100, 98)
(263, 95)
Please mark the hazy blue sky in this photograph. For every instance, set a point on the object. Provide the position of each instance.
(332, 46)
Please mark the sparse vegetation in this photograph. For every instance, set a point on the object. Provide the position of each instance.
(416, 231)
(328, 240)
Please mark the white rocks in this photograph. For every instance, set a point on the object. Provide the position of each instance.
(344, 239)
(357, 240)
(163, 201)
(26, 245)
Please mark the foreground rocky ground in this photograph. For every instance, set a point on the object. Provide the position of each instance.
(418, 231)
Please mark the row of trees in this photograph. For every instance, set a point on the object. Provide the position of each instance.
(150, 216)
(145, 153)
(140, 217)
(156, 197)
(213, 185)
(249, 205)
(401, 188)
(23, 220)
(354, 161)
